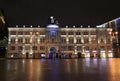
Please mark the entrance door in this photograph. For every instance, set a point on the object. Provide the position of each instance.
(53, 53)
(27, 55)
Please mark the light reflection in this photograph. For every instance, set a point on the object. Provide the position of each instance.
(76, 65)
(35, 70)
(68, 65)
(31, 61)
(23, 61)
(31, 71)
(114, 69)
(38, 70)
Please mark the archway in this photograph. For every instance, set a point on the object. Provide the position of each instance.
(53, 53)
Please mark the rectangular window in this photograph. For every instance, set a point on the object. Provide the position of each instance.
(78, 40)
(109, 47)
(42, 40)
(85, 33)
(63, 48)
(93, 32)
(27, 40)
(70, 33)
(86, 40)
(93, 40)
(12, 48)
(78, 33)
(20, 40)
(63, 40)
(86, 47)
(20, 48)
(63, 33)
(20, 32)
(70, 47)
(71, 40)
(42, 47)
(79, 48)
(108, 40)
(27, 33)
(34, 47)
(13, 32)
(42, 33)
(27, 47)
(13, 40)
(53, 33)
(113, 25)
(102, 47)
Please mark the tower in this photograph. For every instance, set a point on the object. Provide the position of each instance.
(53, 37)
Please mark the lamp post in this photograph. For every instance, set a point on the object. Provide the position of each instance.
(114, 38)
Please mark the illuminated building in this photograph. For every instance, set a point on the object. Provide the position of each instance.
(35, 42)
(115, 33)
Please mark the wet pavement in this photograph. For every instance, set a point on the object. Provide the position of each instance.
(60, 69)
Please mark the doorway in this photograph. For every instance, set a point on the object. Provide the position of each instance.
(53, 53)
(27, 55)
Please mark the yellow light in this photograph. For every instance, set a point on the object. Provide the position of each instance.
(37, 33)
(110, 33)
(31, 33)
(110, 55)
(116, 33)
(31, 53)
(12, 56)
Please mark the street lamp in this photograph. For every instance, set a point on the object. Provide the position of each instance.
(114, 39)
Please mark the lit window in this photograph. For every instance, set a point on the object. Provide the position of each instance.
(53, 33)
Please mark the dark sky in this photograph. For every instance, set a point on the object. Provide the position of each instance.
(67, 12)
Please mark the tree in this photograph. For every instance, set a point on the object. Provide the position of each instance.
(3, 47)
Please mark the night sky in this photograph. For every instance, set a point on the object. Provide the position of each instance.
(67, 12)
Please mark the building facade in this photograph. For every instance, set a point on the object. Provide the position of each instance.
(54, 41)
(115, 25)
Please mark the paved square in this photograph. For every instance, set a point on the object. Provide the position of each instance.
(60, 69)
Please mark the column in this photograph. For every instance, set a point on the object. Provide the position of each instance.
(9, 39)
(16, 38)
(82, 36)
(23, 43)
(82, 40)
(105, 41)
(67, 37)
(75, 46)
(67, 40)
(89, 35)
